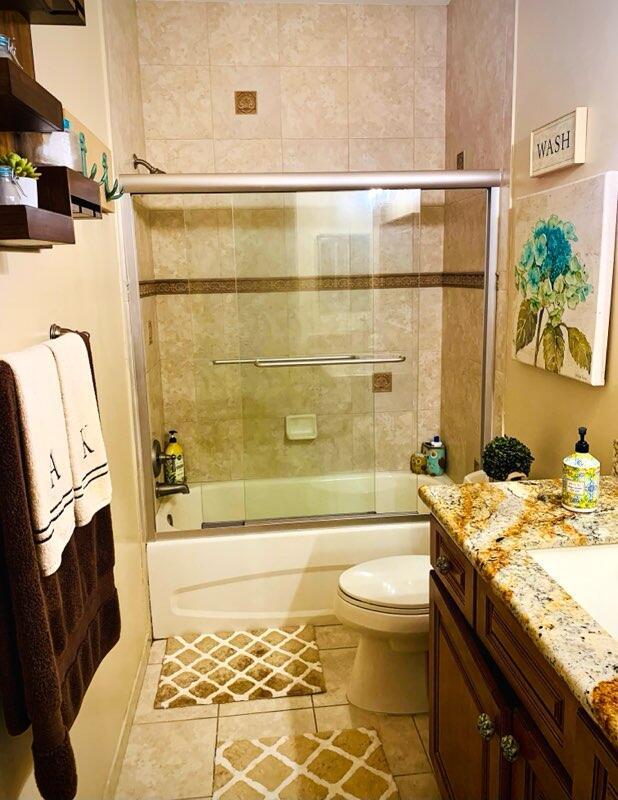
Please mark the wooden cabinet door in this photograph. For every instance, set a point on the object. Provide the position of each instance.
(596, 763)
(536, 774)
(464, 693)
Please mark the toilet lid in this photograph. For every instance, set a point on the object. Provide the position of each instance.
(394, 582)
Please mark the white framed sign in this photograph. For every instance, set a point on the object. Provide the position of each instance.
(560, 143)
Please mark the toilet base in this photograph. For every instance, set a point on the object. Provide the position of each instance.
(387, 680)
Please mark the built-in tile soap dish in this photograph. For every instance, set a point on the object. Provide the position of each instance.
(300, 427)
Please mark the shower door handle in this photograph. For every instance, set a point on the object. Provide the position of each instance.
(311, 361)
(325, 361)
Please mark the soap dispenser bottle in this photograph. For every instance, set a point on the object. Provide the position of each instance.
(174, 460)
(581, 474)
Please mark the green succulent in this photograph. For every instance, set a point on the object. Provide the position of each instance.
(22, 168)
(504, 455)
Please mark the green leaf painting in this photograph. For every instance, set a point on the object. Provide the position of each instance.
(551, 280)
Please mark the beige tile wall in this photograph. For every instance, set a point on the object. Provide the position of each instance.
(339, 88)
(245, 407)
(479, 86)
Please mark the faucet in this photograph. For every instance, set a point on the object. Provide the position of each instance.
(166, 489)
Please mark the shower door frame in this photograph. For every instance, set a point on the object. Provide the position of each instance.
(247, 183)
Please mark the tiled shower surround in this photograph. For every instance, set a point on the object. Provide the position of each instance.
(231, 417)
(339, 87)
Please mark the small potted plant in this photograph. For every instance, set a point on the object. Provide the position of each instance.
(24, 176)
(505, 458)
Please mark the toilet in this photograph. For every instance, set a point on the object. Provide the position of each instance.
(386, 602)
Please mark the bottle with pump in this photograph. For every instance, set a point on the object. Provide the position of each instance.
(174, 462)
(581, 474)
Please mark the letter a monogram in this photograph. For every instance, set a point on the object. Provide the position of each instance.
(53, 470)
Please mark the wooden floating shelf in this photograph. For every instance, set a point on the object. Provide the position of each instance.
(24, 226)
(48, 12)
(24, 104)
(68, 192)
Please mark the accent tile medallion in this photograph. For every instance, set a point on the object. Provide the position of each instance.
(245, 102)
(329, 765)
(240, 665)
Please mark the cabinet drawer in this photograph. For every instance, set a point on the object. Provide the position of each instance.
(541, 692)
(453, 570)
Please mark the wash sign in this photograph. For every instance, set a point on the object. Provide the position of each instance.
(560, 143)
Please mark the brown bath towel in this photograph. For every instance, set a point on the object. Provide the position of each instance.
(54, 630)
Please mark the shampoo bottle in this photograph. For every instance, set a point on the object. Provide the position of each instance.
(174, 463)
(581, 473)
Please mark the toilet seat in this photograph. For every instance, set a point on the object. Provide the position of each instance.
(393, 585)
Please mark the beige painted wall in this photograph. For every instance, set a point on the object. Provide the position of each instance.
(81, 286)
(566, 57)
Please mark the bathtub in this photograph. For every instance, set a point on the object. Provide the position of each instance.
(282, 498)
(277, 573)
(245, 580)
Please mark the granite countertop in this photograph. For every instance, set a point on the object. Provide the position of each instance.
(496, 524)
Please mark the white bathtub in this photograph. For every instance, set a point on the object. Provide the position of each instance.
(282, 498)
(209, 582)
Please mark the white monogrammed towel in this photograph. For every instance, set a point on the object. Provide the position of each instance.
(91, 481)
(46, 453)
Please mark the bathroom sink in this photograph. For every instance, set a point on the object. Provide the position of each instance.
(589, 575)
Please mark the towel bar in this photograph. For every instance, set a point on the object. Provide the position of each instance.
(56, 330)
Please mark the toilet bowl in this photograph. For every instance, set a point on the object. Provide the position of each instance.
(386, 602)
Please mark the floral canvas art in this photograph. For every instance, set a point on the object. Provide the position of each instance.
(564, 259)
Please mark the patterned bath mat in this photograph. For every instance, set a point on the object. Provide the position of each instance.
(334, 765)
(231, 666)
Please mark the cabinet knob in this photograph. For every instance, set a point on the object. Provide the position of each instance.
(509, 747)
(443, 565)
(485, 726)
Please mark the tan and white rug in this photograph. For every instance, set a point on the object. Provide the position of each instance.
(231, 666)
(333, 765)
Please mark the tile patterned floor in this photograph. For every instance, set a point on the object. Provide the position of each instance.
(171, 751)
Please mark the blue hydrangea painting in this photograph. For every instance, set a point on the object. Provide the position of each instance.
(564, 250)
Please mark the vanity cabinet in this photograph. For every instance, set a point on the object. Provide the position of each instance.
(482, 744)
(468, 711)
(596, 764)
(503, 724)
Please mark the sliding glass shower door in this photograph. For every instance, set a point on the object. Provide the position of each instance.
(322, 343)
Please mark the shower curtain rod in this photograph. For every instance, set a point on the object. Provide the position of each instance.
(207, 183)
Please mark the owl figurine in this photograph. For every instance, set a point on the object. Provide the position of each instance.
(436, 462)
(418, 462)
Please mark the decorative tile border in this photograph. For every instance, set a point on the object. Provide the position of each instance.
(405, 280)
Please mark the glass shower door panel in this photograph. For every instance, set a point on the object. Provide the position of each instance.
(305, 307)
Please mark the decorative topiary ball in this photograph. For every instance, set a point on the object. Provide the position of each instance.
(504, 455)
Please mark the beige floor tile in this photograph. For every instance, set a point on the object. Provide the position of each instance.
(400, 738)
(157, 650)
(422, 726)
(417, 787)
(330, 637)
(337, 665)
(146, 712)
(275, 723)
(169, 760)
(264, 706)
